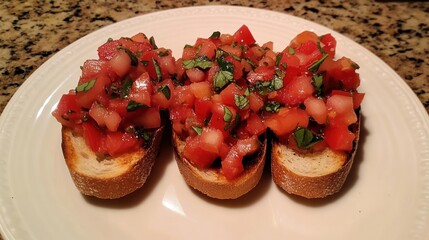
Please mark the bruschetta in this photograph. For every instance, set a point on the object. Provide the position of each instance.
(112, 121)
(316, 124)
(218, 134)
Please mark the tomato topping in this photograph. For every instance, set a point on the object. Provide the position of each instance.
(339, 138)
(244, 36)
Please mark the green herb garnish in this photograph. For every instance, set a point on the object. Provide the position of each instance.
(133, 57)
(227, 115)
(221, 79)
(215, 35)
(198, 130)
(305, 138)
(165, 90)
(241, 101)
(315, 66)
(272, 106)
(317, 81)
(202, 62)
(86, 86)
(152, 42)
(157, 70)
(133, 106)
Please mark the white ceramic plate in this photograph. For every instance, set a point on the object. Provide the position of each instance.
(385, 197)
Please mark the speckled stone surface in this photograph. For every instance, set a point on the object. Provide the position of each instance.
(32, 31)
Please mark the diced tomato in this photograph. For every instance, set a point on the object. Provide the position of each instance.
(162, 95)
(150, 118)
(201, 89)
(357, 97)
(255, 125)
(108, 50)
(316, 108)
(94, 90)
(120, 63)
(262, 73)
(287, 120)
(205, 47)
(339, 138)
(118, 143)
(141, 90)
(156, 70)
(140, 37)
(329, 44)
(68, 111)
(227, 95)
(211, 140)
(195, 75)
(302, 38)
(183, 95)
(94, 136)
(91, 68)
(296, 91)
(197, 155)
(203, 108)
(341, 74)
(340, 110)
(244, 36)
(232, 165)
(223, 117)
(232, 50)
(256, 102)
(119, 105)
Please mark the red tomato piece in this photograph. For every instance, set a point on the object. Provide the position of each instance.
(118, 143)
(94, 137)
(244, 36)
(287, 120)
(296, 91)
(255, 125)
(198, 156)
(68, 111)
(316, 108)
(339, 138)
(340, 110)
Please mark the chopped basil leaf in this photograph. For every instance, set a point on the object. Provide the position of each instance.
(145, 63)
(202, 62)
(225, 65)
(252, 64)
(157, 70)
(133, 105)
(198, 130)
(279, 58)
(315, 66)
(272, 106)
(188, 46)
(355, 65)
(133, 57)
(227, 114)
(152, 42)
(317, 81)
(284, 65)
(320, 48)
(264, 87)
(163, 53)
(86, 86)
(305, 138)
(110, 39)
(165, 90)
(247, 92)
(140, 133)
(236, 57)
(241, 101)
(215, 35)
(291, 51)
(221, 79)
(126, 88)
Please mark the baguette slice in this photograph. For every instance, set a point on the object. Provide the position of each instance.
(312, 175)
(214, 184)
(107, 177)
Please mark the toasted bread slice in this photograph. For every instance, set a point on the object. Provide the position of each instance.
(212, 182)
(107, 177)
(311, 175)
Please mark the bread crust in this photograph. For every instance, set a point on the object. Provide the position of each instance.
(213, 183)
(107, 177)
(321, 182)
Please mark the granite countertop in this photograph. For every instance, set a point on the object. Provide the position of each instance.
(32, 31)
